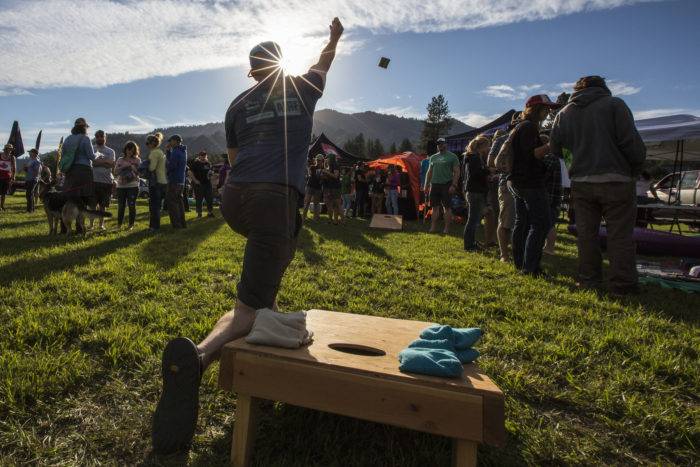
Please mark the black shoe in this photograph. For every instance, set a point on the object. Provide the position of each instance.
(175, 418)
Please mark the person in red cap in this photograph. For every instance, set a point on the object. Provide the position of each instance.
(526, 181)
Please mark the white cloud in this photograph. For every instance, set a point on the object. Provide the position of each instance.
(14, 92)
(620, 88)
(350, 105)
(653, 113)
(407, 111)
(106, 42)
(503, 91)
(476, 119)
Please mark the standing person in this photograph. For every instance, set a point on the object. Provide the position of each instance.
(441, 183)
(608, 154)
(33, 170)
(102, 167)
(8, 168)
(552, 184)
(78, 184)
(313, 187)
(330, 179)
(176, 168)
(361, 191)
(268, 152)
(393, 183)
(532, 213)
(377, 189)
(476, 187)
(346, 191)
(506, 203)
(127, 170)
(201, 168)
(157, 181)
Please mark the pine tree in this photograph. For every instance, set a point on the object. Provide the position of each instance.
(356, 146)
(392, 149)
(438, 121)
(406, 145)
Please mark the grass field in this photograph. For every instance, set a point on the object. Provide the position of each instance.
(588, 379)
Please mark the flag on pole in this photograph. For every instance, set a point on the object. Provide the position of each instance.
(16, 139)
(38, 141)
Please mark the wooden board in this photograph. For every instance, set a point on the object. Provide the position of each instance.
(386, 222)
(389, 335)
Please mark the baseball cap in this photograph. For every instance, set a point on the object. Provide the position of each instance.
(80, 121)
(176, 138)
(441, 141)
(265, 55)
(540, 99)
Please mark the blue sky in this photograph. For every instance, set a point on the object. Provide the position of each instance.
(137, 65)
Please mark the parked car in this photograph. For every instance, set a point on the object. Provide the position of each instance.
(689, 192)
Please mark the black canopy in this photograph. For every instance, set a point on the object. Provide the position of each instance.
(457, 143)
(323, 145)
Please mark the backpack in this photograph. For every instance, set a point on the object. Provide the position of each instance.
(68, 157)
(504, 159)
(144, 169)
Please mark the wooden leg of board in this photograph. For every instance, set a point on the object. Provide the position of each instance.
(463, 453)
(244, 430)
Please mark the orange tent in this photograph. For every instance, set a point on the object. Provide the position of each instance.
(410, 164)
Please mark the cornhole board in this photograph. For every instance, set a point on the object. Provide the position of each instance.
(352, 369)
(386, 222)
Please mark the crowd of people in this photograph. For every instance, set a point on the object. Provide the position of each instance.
(350, 191)
(97, 175)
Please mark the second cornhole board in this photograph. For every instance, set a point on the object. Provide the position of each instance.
(386, 222)
(351, 368)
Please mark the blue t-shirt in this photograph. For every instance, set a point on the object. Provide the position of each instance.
(424, 166)
(255, 124)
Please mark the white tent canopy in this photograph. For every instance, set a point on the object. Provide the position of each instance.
(666, 137)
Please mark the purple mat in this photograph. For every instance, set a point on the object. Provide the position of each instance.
(655, 242)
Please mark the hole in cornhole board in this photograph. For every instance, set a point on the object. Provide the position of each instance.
(356, 349)
(387, 222)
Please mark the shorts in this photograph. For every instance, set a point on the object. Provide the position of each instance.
(506, 205)
(268, 216)
(331, 194)
(440, 195)
(103, 194)
(4, 186)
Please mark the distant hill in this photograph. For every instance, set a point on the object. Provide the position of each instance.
(338, 126)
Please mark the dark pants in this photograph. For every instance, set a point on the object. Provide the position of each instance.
(185, 200)
(477, 203)
(156, 192)
(30, 188)
(127, 197)
(103, 195)
(361, 197)
(616, 203)
(176, 209)
(203, 192)
(532, 224)
(268, 216)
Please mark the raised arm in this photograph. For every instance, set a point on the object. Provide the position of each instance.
(328, 54)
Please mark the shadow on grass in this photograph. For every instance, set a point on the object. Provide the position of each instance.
(11, 225)
(36, 269)
(168, 247)
(352, 234)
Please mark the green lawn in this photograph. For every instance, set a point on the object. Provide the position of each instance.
(588, 379)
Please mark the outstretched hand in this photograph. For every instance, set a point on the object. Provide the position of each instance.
(337, 29)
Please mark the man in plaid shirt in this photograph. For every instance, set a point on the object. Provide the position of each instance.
(552, 183)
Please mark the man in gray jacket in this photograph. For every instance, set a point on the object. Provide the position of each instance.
(608, 154)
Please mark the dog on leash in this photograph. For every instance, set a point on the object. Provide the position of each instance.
(60, 209)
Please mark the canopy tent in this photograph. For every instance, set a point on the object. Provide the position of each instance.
(410, 165)
(457, 143)
(673, 138)
(323, 145)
